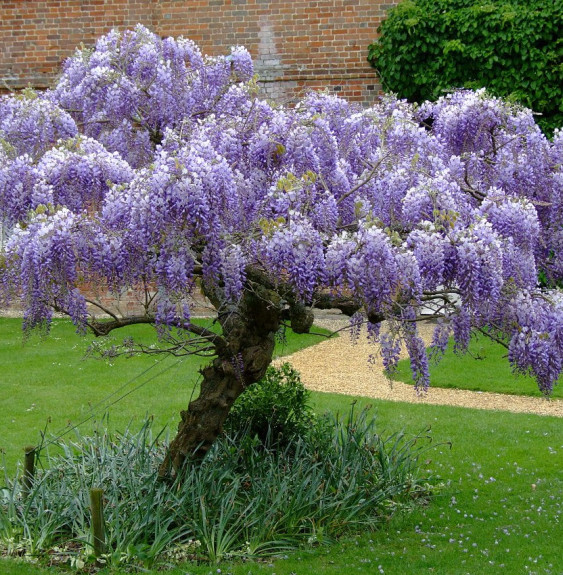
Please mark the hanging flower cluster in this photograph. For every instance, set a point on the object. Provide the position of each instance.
(151, 164)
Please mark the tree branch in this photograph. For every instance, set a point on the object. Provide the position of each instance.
(181, 349)
(101, 307)
(493, 337)
(363, 182)
(326, 300)
(102, 328)
(479, 196)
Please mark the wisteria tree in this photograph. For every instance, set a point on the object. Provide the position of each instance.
(152, 167)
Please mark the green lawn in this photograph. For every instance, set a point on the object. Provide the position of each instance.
(487, 519)
(484, 368)
(499, 509)
(47, 384)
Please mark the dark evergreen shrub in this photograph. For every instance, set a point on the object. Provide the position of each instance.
(274, 409)
(514, 48)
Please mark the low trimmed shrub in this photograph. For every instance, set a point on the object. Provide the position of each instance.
(275, 409)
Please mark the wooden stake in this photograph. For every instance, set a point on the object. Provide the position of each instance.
(28, 470)
(97, 510)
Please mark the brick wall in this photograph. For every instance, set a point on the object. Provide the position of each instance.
(296, 45)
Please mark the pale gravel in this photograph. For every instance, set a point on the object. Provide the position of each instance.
(339, 366)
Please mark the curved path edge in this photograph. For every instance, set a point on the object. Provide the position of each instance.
(339, 366)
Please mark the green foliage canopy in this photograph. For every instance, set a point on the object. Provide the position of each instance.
(514, 48)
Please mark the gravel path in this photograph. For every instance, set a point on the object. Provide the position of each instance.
(338, 366)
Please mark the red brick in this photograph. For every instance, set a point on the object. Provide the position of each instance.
(318, 43)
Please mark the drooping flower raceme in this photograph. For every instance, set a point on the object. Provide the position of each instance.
(31, 123)
(18, 178)
(134, 85)
(78, 173)
(151, 166)
(536, 346)
(47, 251)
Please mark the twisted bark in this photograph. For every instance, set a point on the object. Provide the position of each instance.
(248, 331)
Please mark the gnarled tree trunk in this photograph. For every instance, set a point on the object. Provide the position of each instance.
(248, 336)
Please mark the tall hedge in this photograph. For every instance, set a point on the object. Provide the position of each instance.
(514, 48)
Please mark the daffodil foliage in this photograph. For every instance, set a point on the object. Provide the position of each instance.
(151, 166)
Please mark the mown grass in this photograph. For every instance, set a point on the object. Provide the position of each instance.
(484, 367)
(46, 383)
(499, 509)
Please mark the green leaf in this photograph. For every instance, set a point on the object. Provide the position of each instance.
(501, 44)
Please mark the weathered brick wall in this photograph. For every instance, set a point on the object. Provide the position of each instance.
(296, 45)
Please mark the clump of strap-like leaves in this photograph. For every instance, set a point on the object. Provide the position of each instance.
(149, 164)
(247, 500)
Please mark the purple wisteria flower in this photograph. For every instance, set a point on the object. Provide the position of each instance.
(151, 166)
